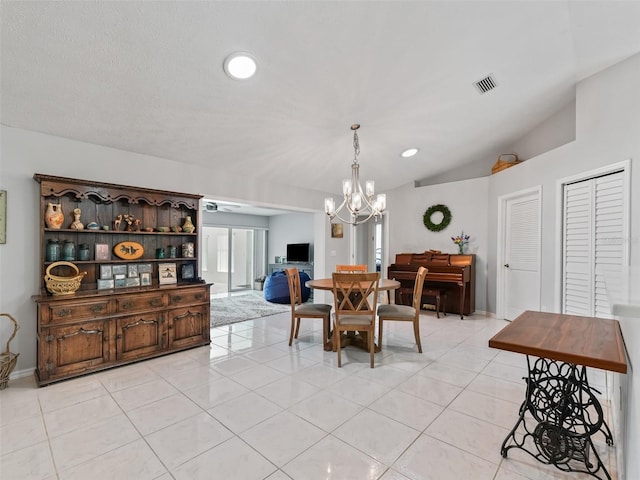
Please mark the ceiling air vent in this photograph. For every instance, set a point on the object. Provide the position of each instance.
(486, 84)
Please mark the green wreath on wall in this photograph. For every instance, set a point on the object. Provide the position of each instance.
(446, 218)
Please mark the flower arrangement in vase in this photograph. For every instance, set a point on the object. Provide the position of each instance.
(461, 240)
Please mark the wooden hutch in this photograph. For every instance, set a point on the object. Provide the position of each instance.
(94, 329)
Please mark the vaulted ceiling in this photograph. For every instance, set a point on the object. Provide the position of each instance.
(147, 77)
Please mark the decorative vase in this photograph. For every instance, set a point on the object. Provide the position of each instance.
(76, 224)
(188, 250)
(53, 216)
(460, 248)
(188, 226)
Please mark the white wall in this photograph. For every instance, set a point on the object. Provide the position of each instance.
(289, 228)
(467, 200)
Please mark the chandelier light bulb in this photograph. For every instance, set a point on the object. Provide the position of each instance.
(370, 188)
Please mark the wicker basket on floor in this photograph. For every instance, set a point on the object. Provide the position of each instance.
(7, 359)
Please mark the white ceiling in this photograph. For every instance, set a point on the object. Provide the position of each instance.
(147, 77)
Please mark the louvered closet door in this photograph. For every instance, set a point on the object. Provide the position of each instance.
(593, 242)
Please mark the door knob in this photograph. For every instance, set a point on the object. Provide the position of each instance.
(506, 265)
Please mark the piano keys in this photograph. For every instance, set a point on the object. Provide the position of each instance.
(456, 273)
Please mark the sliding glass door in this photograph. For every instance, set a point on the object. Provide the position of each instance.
(233, 257)
(241, 259)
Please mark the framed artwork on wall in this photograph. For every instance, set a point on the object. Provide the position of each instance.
(337, 230)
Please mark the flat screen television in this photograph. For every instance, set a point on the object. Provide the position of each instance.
(298, 252)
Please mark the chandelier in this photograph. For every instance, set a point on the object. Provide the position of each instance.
(359, 203)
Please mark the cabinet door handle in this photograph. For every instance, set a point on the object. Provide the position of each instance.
(126, 305)
(97, 308)
(82, 330)
(63, 312)
(177, 298)
(198, 296)
(156, 302)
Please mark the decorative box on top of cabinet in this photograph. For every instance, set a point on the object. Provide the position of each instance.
(93, 329)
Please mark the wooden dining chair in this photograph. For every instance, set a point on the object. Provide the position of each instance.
(405, 313)
(351, 268)
(306, 310)
(355, 297)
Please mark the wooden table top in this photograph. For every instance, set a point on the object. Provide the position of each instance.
(588, 341)
(327, 284)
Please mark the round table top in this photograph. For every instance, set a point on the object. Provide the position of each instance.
(327, 284)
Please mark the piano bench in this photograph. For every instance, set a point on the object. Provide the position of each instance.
(438, 294)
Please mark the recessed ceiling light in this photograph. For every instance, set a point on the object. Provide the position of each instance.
(240, 65)
(410, 152)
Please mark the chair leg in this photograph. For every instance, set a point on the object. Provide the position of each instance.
(372, 348)
(416, 333)
(336, 344)
(444, 305)
(438, 306)
(293, 320)
(326, 333)
(380, 332)
(297, 327)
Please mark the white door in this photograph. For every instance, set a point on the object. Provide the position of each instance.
(594, 230)
(521, 259)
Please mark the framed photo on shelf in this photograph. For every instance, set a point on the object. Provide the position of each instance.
(145, 278)
(132, 282)
(106, 273)
(102, 252)
(119, 270)
(119, 280)
(105, 284)
(188, 271)
(167, 273)
(145, 268)
(132, 270)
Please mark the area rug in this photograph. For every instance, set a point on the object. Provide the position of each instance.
(238, 308)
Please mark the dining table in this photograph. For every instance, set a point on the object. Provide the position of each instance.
(350, 338)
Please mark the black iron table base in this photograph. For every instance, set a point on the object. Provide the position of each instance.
(559, 417)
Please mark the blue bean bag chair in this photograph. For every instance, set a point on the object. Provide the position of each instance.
(276, 287)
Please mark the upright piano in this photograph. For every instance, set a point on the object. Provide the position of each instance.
(455, 273)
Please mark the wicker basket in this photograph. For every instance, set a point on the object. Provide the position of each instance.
(510, 160)
(7, 359)
(63, 285)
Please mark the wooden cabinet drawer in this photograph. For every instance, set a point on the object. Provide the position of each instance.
(64, 312)
(191, 296)
(137, 303)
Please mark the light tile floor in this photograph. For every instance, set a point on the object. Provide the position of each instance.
(250, 407)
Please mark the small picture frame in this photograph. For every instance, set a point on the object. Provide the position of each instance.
(102, 252)
(167, 273)
(188, 271)
(145, 268)
(337, 230)
(132, 282)
(145, 279)
(119, 270)
(106, 273)
(105, 284)
(120, 280)
(132, 270)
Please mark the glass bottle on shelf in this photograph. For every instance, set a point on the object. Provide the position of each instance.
(69, 251)
(52, 252)
(83, 251)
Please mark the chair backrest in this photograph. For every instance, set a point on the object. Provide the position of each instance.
(295, 290)
(355, 293)
(351, 268)
(417, 288)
